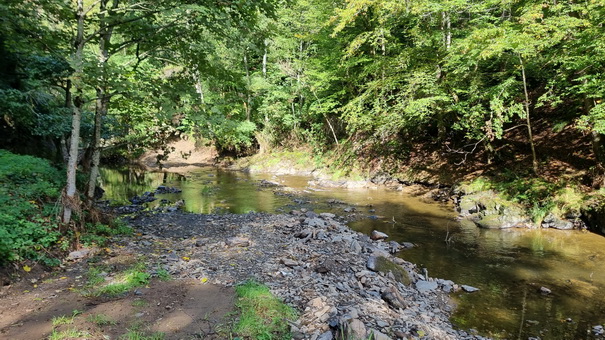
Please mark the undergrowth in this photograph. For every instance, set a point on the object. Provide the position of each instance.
(263, 316)
(30, 190)
(539, 196)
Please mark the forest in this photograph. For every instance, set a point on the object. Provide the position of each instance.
(510, 90)
(494, 107)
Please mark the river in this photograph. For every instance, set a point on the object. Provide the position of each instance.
(509, 266)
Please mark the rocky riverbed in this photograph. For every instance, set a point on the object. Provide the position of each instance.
(344, 284)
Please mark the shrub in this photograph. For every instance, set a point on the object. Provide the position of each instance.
(29, 188)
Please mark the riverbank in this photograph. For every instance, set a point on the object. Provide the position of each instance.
(341, 282)
(338, 279)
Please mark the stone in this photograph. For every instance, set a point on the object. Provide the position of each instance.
(377, 335)
(378, 235)
(79, 254)
(392, 296)
(237, 242)
(355, 247)
(315, 222)
(407, 245)
(426, 286)
(327, 215)
(545, 291)
(316, 303)
(372, 263)
(552, 221)
(288, 262)
(326, 336)
(356, 329)
(469, 289)
(304, 233)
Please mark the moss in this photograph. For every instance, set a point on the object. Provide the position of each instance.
(385, 266)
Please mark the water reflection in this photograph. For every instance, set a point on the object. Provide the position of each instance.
(508, 266)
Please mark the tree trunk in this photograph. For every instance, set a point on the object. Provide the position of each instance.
(265, 59)
(69, 199)
(103, 97)
(528, 120)
(249, 85)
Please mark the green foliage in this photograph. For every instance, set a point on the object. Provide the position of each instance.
(262, 314)
(99, 234)
(29, 188)
(539, 196)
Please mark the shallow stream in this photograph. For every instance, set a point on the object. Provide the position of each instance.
(509, 266)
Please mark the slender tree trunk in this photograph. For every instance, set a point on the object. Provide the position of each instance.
(249, 85)
(69, 199)
(528, 120)
(199, 86)
(265, 59)
(103, 97)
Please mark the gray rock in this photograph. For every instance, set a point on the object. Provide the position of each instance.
(407, 245)
(372, 263)
(315, 222)
(426, 286)
(79, 254)
(378, 235)
(304, 233)
(288, 262)
(238, 242)
(377, 335)
(326, 336)
(392, 296)
(356, 329)
(551, 221)
(469, 289)
(355, 247)
(545, 291)
(327, 215)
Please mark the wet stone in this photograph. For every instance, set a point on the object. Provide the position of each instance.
(469, 289)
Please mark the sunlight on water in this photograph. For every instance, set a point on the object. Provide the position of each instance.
(509, 266)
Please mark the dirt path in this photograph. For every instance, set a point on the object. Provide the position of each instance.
(55, 304)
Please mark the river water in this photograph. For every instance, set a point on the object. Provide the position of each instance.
(509, 266)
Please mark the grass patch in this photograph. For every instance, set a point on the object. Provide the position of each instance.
(139, 335)
(100, 320)
(139, 303)
(67, 334)
(64, 319)
(162, 274)
(134, 277)
(262, 314)
(136, 333)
